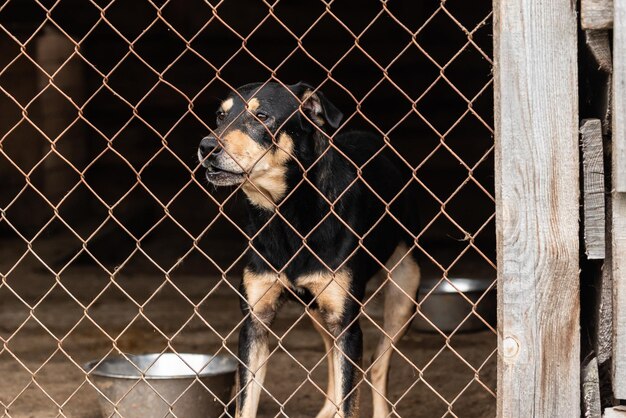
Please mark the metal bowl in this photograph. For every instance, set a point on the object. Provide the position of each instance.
(172, 385)
(446, 308)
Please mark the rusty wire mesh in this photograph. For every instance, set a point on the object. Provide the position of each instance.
(100, 254)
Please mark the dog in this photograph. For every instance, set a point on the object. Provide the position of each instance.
(327, 211)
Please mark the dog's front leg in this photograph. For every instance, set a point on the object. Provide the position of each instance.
(347, 353)
(262, 293)
(340, 312)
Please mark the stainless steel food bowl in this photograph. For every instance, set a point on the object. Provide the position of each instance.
(447, 308)
(178, 379)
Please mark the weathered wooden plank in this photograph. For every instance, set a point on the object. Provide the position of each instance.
(536, 122)
(593, 188)
(619, 96)
(604, 326)
(591, 389)
(600, 46)
(618, 200)
(619, 292)
(615, 412)
(596, 14)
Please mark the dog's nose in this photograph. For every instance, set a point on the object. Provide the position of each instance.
(209, 148)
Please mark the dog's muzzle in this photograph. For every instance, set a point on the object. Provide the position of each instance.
(208, 151)
(212, 157)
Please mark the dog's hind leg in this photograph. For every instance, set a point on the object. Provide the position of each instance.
(263, 293)
(400, 303)
(329, 408)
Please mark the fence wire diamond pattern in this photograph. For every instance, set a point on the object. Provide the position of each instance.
(75, 182)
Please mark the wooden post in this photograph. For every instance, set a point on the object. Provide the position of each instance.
(619, 94)
(618, 200)
(537, 208)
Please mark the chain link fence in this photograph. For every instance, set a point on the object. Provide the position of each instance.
(111, 242)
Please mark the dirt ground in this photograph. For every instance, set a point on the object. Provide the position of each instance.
(55, 337)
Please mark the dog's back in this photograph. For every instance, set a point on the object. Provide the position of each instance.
(384, 212)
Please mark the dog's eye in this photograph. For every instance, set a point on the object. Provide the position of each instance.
(220, 115)
(261, 116)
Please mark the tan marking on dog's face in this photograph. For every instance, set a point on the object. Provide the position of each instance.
(253, 104)
(227, 105)
(242, 152)
(283, 152)
(267, 182)
(263, 293)
(330, 291)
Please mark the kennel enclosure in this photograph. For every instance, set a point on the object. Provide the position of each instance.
(111, 242)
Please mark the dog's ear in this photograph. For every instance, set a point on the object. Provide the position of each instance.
(317, 107)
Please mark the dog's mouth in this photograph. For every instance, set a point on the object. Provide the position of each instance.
(221, 177)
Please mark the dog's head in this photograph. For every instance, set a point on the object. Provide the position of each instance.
(259, 129)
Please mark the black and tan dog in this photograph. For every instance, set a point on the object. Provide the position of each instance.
(327, 212)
